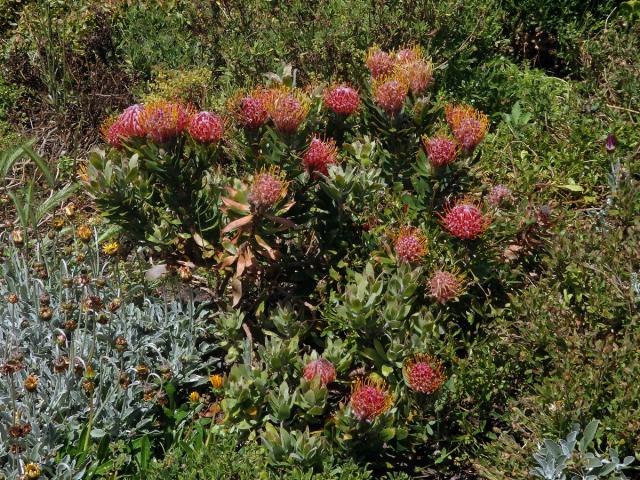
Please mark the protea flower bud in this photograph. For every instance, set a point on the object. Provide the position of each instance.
(465, 220)
(499, 195)
(164, 120)
(206, 127)
(322, 369)
(341, 99)
(287, 108)
(250, 111)
(380, 63)
(320, 155)
(444, 286)
(423, 373)
(267, 189)
(468, 125)
(410, 245)
(370, 398)
(390, 92)
(441, 151)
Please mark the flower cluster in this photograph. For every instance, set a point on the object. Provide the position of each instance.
(341, 99)
(319, 155)
(321, 369)
(468, 125)
(267, 189)
(465, 220)
(370, 398)
(410, 245)
(423, 373)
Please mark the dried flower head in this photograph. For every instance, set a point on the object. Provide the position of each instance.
(465, 220)
(322, 369)
(423, 373)
(45, 314)
(185, 274)
(164, 120)
(120, 343)
(84, 232)
(12, 298)
(440, 150)
(370, 398)
(206, 127)
(499, 195)
(114, 305)
(31, 383)
(142, 372)
(444, 286)
(320, 155)
(93, 303)
(32, 471)
(61, 364)
(341, 99)
(380, 63)
(217, 381)
(57, 222)
(410, 244)
(468, 125)
(17, 238)
(287, 108)
(267, 189)
(390, 92)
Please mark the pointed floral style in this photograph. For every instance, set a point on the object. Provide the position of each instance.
(320, 155)
(441, 151)
(287, 108)
(468, 125)
(445, 286)
(423, 373)
(410, 245)
(465, 220)
(322, 369)
(206, 127)
(341, 99)
(370, 398)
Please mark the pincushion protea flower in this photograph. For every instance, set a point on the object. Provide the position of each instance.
(415, 67)
(320, 155)
(423, 373)
(380, 63)
(322, 369)
(444, 286)
(341, 99)
(206, 127)
(249, 110)
(390, 92)
(441, 151)
(499, 195)
(468, 125)
(165, 120)
(287, 108)
(125, 126)
(465, 220)
(370, 398)
(410, 245)
(267, 189)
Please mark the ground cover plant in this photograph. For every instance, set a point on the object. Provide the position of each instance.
(320, 240)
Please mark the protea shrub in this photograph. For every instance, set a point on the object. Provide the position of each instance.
(320, 368)
(468, 125)
(410, 245)
(380, 63)
(206, 127)
(267, 189)
(341, 99)
(319, 155)
(445, 286)
(370, 398)
(423, 373)
(287, 108)
(390, 92)
(441, 151)
(465, 220)
(164, 120)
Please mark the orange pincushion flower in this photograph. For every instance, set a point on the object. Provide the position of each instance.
(390, 92)
(423, 373)
(415, 68)
(320, 155)
(250, 110)
(410, 245)
(370, 398)
(380, 63)
(166, 120)
(287, 108)
(468, 125)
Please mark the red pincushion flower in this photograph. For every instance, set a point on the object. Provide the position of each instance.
(322, 369)
(499, 195)
(370, 398)
(468, 125)
(390, 93)
(410, 245)
(419, 74)
(423, 373)
(267, 189)
(441, 151)
(444, 286)
(320, 155)
(287, 108)
(380, 63)
(206, 127)
(465, 220)
(165, 120)
(131, 122)
(250, 111)
(409, 54)
(112, 132)
(342, 99)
